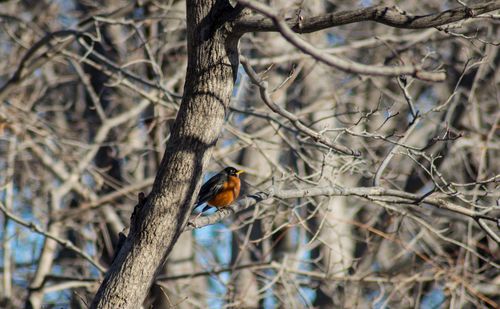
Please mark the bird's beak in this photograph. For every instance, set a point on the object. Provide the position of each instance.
(240, 172)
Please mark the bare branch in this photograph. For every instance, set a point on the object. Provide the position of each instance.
(293, 119)
(63, 242)
(370, 193)
(391, 16)
(337, 62)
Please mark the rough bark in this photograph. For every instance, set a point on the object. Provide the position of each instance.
(212, 64)
(384, 14)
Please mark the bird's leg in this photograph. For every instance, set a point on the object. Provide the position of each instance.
(198, 215)
(192, 222)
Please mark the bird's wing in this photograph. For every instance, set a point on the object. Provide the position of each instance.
(210, 188)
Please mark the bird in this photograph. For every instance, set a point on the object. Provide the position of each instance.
(221, 190)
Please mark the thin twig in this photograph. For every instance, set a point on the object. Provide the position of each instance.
(337, 62)
(291, 117)
(63, 242)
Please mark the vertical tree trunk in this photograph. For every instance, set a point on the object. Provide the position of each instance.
(245, 292)
(8, 201)
(47, 257)
(335, 236)
(212, 65)
(181, 293)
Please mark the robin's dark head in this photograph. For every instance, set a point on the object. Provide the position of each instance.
(231, 171)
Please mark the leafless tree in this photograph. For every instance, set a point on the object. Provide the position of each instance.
(368, 132)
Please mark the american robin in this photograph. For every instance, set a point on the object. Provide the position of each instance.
(221, 190)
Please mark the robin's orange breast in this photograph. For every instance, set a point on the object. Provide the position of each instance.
(228, 194)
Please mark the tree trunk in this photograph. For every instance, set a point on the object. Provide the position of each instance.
(181, 293)
(211, 71)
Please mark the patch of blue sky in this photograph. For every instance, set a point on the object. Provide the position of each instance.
(90, 249)
(59, 299)
(347, 78)
(425, 102)
(376, 299)
(57, 269)
(88, 180)
(25, 15)
(94, 272)
(215, 298)
(142, 124)
(27, 247)
(38, 73)
(269, 300)
(228, 142)
(64, 296)
(139, 12)
(65, 18)
(366, 3)
(434, 299)
(27, 193)
(237, 84)
(21, 276)
(237, 117)
(308, 293)
(215, 238)
(21, 241)
(333, 39)
(6, 47)
(425, 189)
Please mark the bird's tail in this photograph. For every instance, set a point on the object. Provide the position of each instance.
(198, 204)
